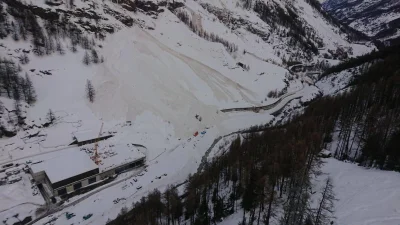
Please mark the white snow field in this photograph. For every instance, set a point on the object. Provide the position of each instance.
(365, 196)
(157, 79)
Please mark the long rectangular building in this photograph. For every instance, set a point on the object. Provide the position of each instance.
(73, 169)
(68, 171)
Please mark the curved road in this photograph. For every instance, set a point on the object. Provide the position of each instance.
(263, 107)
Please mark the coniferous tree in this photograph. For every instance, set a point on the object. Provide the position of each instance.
(23, 31)
(18, 113)
(1, 107)
(24, 59)
(95, 56)
(16, 91)
(86, 58)
(74, 46)
(203, 217)
(60, 48)
(326, 204)
(90, 93)
(29, 91)
(15, 35)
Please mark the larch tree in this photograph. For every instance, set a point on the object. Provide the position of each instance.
(326, 204)
(50, 116)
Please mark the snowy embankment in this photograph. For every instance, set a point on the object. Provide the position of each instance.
(365, 196)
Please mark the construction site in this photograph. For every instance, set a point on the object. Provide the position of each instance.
(84, 166)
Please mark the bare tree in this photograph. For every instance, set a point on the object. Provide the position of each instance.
(326, 205)
(50, 116)
(90, 93)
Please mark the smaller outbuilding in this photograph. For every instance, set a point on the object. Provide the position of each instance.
(88, 137)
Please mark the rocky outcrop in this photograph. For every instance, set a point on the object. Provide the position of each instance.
(128, 21)
(17, 9)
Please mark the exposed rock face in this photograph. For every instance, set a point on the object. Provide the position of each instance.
(128, 21)
(378, 19)
(46, 14)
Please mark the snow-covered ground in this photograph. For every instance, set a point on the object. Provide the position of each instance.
(18, 198)
(157, 79)
(365, 196)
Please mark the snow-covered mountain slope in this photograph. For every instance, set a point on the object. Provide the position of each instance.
(363, 196)
(148, 67)
(167, 68)
(378, 19)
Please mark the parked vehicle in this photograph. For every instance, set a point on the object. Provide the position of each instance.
(13, 179)
(69, 215)
(85, 217)
(8, 165)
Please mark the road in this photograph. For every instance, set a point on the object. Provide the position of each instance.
(95, 191)
(263, 107)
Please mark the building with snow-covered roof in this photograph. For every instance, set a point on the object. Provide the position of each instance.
(120, 157)
(73, 169)
(66, 172)
(88, 137)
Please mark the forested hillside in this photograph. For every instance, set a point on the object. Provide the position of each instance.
(265, 172)
(377, 19)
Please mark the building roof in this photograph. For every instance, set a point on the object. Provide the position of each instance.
(88, 135)
(113, 156)
(65, 164)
